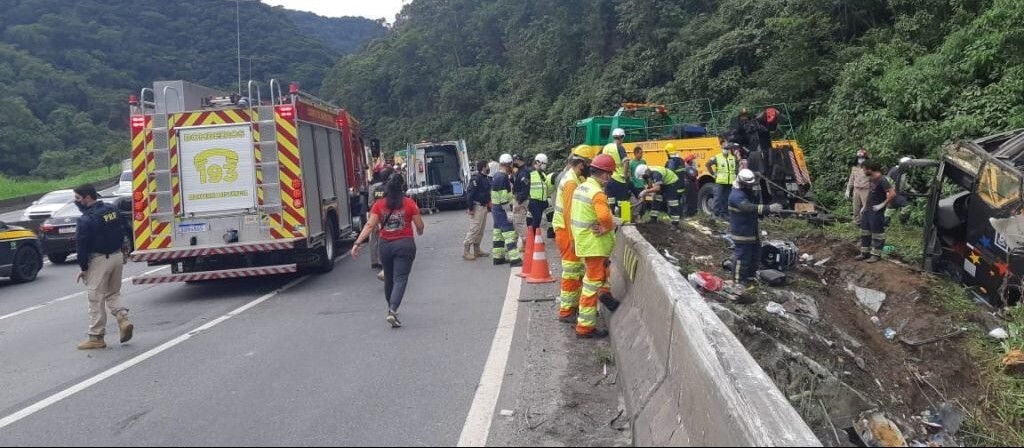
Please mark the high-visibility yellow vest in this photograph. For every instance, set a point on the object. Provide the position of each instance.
(725, 172)
(583, 218)
(540, 185)
(559, 221)
(612, 149)
(670, 176)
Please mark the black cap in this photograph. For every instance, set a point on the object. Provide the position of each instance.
(517, 157)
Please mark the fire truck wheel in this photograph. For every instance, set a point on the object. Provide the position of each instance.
(326, 253)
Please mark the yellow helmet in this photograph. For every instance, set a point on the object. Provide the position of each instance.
(584, 151)
(670, 148)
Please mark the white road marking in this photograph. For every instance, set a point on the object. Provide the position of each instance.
(478, 423)
(67, 393)
(70, 296)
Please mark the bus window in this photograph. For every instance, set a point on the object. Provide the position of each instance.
(998, 187)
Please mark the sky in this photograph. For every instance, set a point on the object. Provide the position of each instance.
(373, 9)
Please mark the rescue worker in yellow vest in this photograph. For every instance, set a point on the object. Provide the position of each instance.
(542, 185)
(506, 241)
(663, 183)
(723, 167)
(572, 267)
(593, 232)
(617, 188)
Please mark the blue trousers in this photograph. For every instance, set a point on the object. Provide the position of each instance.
(746, 260)
(722, 200)
(872, 232)
(506, 241)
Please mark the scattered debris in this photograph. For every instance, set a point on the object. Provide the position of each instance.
(806, 258)
(946, 421)
(701, 259)
(870, 299)
(890, 334)
(822, 262)
(775, 308)
(796, 303)
(875, 429)
(857, 359)
(780, 255)
(1014, 358)
(875, 320)
(772, 277)
(671, 259)
(999, 333)
(706, 280)
(507, 413)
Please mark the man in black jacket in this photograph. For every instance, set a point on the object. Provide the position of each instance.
(478, 198)
(102, 253)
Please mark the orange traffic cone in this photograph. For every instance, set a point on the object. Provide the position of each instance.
(528, 255)
(540, 271)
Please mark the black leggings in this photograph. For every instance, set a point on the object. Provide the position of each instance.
(397, 257)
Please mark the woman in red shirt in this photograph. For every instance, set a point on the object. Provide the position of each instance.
(393, 217)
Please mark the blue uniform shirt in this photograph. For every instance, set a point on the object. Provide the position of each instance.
(101, 230)
(743, 217)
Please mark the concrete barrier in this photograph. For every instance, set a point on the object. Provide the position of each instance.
(18, 203)
(687, 380)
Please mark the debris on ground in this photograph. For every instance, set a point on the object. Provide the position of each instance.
(875, 429)
(826, 346)
(999, 333)
(706, 281)
(1014, 358)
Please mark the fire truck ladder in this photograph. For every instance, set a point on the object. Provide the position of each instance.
(268, 172)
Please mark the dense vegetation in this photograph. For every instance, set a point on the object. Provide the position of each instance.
(898, 76)
(67, 68)
(344, 35)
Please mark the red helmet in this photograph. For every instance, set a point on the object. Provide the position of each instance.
(689, 158)
(604, 162)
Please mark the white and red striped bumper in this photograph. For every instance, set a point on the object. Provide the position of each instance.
(216, 275)
(180, 253)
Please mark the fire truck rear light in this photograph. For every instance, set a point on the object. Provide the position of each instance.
(137, 196)
(133, 100)
(297, 184)
(297, 203)
(138, 121)
(286, 112)
(139, 216)
(293, 89)
(139, 206)
(297, 194)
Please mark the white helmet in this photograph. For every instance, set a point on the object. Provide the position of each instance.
(541, 158)
(746, 177)
(505, 159)
(905, 160)
(618, 132)
(641, 171)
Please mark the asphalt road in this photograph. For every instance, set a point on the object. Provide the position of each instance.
(16, 215)
(313, 365)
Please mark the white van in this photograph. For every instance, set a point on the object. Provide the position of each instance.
(443, 164)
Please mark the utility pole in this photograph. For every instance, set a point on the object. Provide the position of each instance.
(238, 37)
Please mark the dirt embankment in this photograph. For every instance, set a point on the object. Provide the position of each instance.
(829, 351)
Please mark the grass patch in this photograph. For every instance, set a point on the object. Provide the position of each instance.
(604, 356)
(13, 188)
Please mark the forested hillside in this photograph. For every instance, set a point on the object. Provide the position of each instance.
(67, 68)
(898, 76)
(344, 35)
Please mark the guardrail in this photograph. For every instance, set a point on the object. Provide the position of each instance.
(687, 380)
(12, 204)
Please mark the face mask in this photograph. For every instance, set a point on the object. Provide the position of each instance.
(585, 172)
(861, 160)
(725, 151)
(80, 205)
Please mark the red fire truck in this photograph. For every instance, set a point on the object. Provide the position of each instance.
(227, 186)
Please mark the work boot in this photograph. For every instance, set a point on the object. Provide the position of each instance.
(609, 302)
(93, 343)
(500, 261)
(468, 255)
(596, 334)
(569, 320)
(873, 259)
(479, 253)
(126, 327)
(376, 266)
(861, 257)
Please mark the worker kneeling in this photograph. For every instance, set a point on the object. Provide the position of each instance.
(744, 213)
(572, 267)
(663, 183)
(593, 232)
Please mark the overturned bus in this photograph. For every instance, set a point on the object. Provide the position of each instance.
(974, 228)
